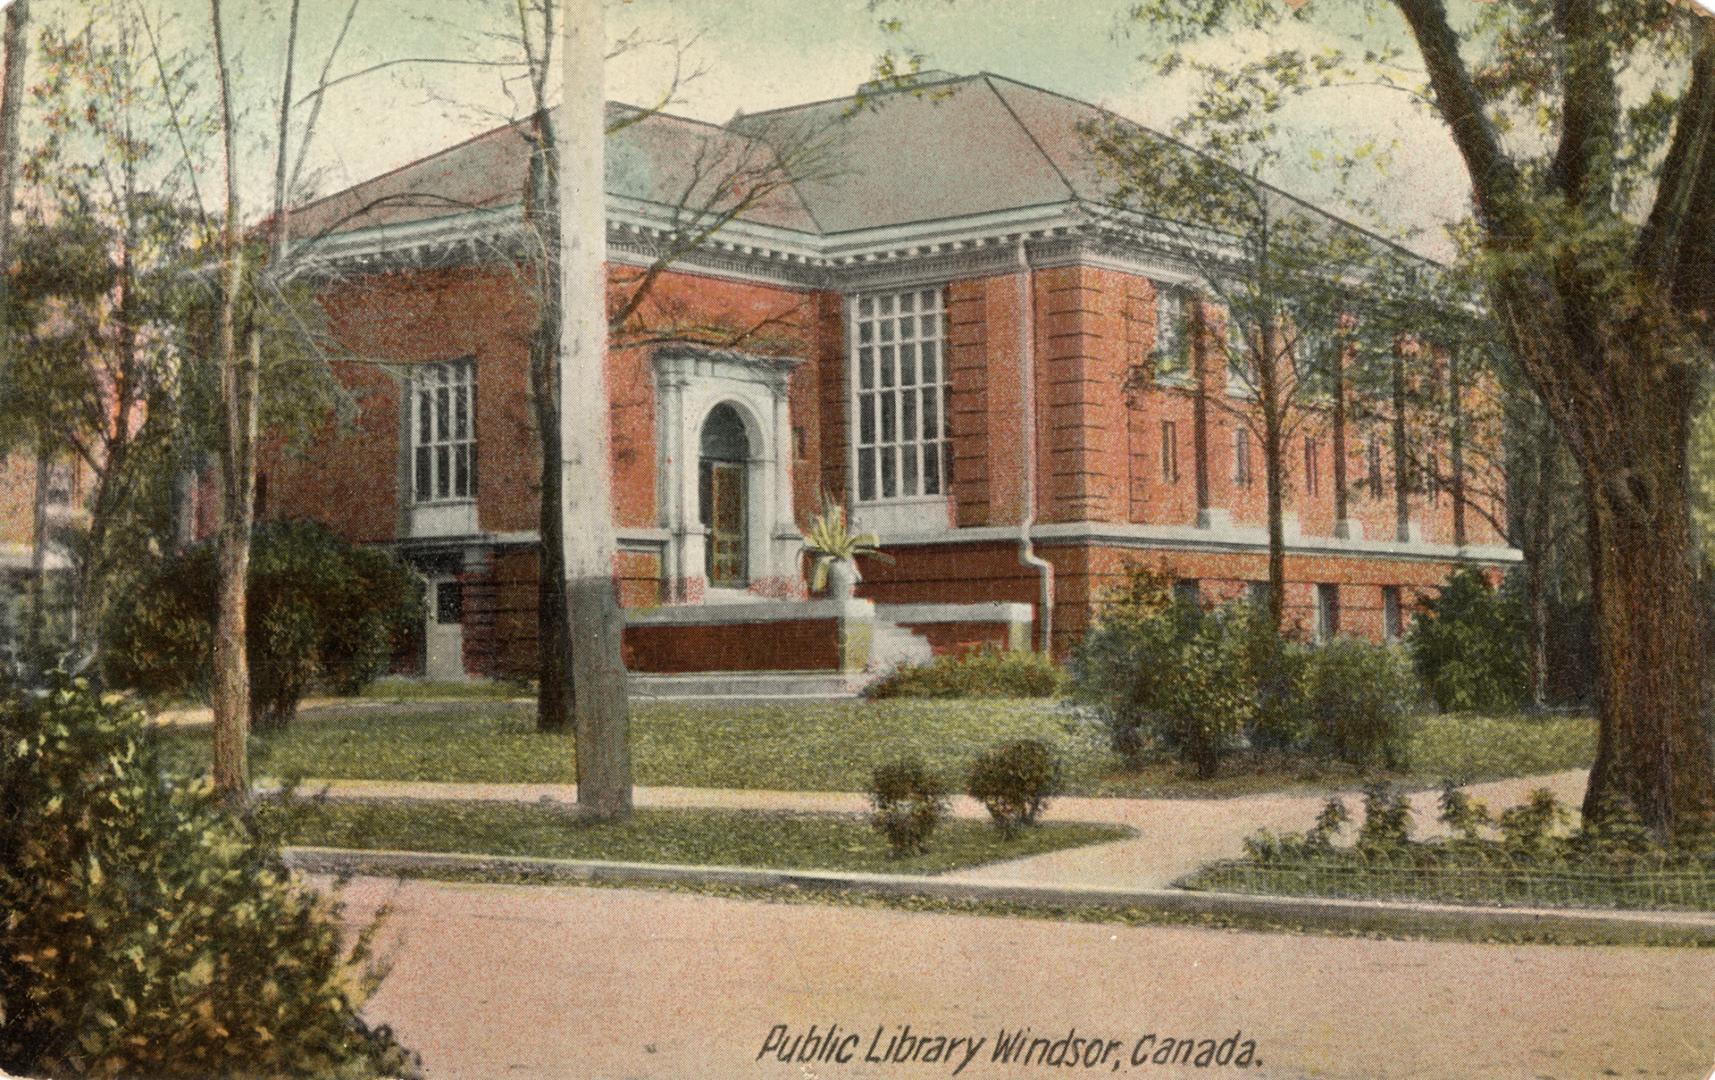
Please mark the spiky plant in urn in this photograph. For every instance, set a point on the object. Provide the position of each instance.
(834, 550)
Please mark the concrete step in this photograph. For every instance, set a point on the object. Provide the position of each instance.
(746, 686)
(893, 644)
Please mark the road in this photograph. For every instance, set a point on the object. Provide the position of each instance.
(608, 984)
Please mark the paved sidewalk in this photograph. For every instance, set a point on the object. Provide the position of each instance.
(1174, 836)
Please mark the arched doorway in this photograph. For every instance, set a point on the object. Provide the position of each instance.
(723, 496)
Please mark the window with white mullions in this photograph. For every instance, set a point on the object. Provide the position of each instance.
(443, 431)
(899, 395)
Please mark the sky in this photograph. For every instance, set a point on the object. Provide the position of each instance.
(759, 54)
(752, 55)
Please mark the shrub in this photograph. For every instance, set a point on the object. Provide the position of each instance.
(1014, 782)
(1105, 667)
(150, 934)
(1387, 819)
(1275, 665)
(907, 802)
(319, 608)
(977, 673)
(1358, 697)
(1468, 644)
(1162, 671)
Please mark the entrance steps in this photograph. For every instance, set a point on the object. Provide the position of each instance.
(893, 644)
(889, 645)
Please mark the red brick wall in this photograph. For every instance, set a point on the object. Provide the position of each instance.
(348, 476)
(17, 500)
(984, 409)
(954, 638)
(978, 572)
(791, 645)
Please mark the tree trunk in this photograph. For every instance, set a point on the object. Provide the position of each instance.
(239, 375)
(1653, 748)
(1536, 615)
(597, 624)
(1456, 448)
(1200, 406)
(1274, 469)
(17, 43)
(553, 636)
(231, 683)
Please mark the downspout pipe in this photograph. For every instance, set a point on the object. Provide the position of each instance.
(1027, 386)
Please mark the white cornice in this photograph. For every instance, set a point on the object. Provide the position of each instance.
(903, 256)
(1237, 540)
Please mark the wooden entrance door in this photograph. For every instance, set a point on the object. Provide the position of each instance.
(726, 548)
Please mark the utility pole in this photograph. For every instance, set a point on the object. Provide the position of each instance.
(600, 709)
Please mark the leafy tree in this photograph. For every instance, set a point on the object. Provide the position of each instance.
(97, 292)
(150, 934)
(1587, 129)
(1303, 324)
(321, 610)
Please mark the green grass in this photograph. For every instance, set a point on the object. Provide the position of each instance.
(1357, 925)
(780, 841)
(402, 690)
(833, 746)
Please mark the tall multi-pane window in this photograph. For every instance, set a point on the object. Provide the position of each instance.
(899, 398)
(1393, 615)
(1327, 612)
(1373, 458)
(1171, 355)
(1241, 373)
(443, 431)
(1241, 456)
(1169, 452)
(1312, 456)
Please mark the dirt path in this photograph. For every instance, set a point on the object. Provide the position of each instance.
(605, 984)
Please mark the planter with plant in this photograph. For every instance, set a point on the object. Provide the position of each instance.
(834, 550)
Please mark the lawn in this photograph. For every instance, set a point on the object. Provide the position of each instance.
(782, 841)
(832, 746)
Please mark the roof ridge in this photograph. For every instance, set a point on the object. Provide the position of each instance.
(988, 80)
(853, 96)
(647, 113)
(1317, 208)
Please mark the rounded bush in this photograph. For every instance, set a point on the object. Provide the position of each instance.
(1359, 697)
(149, 933)
(1468, 644)
(907, 802)
(1164, 672)
(977, 673)
(1014, 781)
(319, 609)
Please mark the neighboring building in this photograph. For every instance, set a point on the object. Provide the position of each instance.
(942, 337)
(19, 477)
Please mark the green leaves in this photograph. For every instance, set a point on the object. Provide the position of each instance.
(1468, 645)
(144, 925)
(827, 541)
(320, 608)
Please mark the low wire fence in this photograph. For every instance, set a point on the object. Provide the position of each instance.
(1512, 884)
